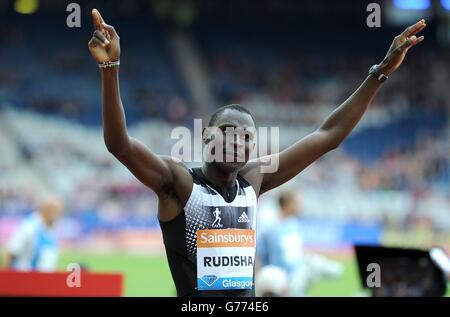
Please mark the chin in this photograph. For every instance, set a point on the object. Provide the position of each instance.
(230, 166)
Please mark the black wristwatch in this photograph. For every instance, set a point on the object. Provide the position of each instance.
(375, 71)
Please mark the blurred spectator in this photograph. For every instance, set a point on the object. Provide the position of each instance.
(34, 245)
(281, 245)
(271, 281)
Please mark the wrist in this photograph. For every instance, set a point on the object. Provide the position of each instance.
(378, 72)
(110, 64)
(384, 69)
(109, 71)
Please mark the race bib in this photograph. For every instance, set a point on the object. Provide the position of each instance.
(225, 259)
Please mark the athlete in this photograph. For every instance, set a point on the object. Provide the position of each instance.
(207, 260)
(216, 214)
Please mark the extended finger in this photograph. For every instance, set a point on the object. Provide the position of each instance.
(417, 41)
(415, 28)
(410, 42)
(97, 19)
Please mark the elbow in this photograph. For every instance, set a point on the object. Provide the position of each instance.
(337, 141)
(118, 144)
(334, 144)
(118, 154)
(111, 147)
(118, 150)
(332, 138)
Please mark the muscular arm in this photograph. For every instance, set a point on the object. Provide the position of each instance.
(342, 121)
(163, 175)
(328, 137)
(114, 122)
(149, 168)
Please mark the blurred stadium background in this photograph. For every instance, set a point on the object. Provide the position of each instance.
(290, 62)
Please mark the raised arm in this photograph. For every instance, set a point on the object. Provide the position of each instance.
(344, 118)
(156, 172)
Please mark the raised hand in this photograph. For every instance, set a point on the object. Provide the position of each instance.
(400, 46)
(105, 42)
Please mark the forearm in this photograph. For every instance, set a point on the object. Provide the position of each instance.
(114, 122)
(343, 119)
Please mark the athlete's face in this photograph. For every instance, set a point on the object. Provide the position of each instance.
(231, 141)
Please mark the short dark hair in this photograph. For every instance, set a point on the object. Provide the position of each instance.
(284, 198)
(215, 116)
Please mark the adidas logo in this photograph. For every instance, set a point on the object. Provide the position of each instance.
(243, 218)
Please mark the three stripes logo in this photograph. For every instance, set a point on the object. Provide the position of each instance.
(244, 218)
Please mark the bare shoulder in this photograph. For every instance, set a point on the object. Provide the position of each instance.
(179, 170)
(251, 172)
(173, 161)
(174, 196)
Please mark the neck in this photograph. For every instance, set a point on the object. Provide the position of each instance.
(218, 177)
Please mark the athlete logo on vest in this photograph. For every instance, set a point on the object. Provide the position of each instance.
(216, 223)
(244, 218)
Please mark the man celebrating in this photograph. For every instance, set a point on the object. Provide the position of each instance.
(205, 260)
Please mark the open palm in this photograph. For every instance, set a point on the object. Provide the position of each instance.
(400, 47)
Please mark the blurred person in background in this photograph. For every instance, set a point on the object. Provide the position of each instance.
(34, 246)
(281, 245)
(272, 281)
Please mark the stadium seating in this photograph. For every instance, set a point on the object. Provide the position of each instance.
(395, 163)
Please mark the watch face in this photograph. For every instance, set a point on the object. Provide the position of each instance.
(374, 70)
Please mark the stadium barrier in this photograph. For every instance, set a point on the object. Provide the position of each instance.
(14, 283)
